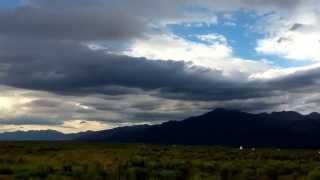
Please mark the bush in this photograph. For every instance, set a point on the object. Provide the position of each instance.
(5, 170)
(314, 175)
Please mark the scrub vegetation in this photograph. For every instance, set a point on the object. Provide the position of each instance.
(72, 160)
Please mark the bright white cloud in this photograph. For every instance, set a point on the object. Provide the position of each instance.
(171, 47)
(211, 51)
(294, 35)
(282, 72)
(297, 45)
(10, 101)
(213, 39)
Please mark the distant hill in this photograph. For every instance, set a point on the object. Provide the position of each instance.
(224, 127)
(218, 127)
(43, 135)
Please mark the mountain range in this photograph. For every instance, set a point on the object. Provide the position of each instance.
(218, 127)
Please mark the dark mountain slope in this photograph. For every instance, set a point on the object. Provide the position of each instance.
(224, 127)
(218, 127)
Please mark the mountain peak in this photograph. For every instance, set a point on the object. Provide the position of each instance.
(222, 112)
(225, 110)
(224, 127)
(287, 115)
(313, 115)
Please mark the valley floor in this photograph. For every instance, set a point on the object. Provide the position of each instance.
(90, 161)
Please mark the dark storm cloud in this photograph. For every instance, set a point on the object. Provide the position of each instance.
(147, 106)
(64, 3)
(44, 103)
(100, 20)
(74, 69)
(144, 9)
(42, 47)
(90, 20)
(301, 81)
(153, 117)
(114, 91)
(277, 4)
(86, 24)
(254, 105)
(70, 68)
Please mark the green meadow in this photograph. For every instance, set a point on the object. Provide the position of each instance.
(95, 161)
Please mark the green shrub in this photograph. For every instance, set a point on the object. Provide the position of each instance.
(314, 174)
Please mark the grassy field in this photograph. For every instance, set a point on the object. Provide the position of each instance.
(69, 160)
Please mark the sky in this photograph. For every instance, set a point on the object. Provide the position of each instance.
(81, 65)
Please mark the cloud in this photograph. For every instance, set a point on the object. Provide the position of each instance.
(210, 50)
(95, 64)
(94, 20)
(45, 103)
(292, 43)
(31, 121)
(72, 69)
(172, 47)
(104, 20)
(81, 24)
(288, 34)
(42, 110)
(85, 71)
(160, 12)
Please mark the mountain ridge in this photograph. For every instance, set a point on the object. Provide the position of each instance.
(228, 128)
(218, 127)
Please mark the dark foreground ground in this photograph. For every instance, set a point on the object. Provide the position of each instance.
(66, 160)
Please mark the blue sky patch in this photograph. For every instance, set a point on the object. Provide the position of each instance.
(238, 28)
(9, 3)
